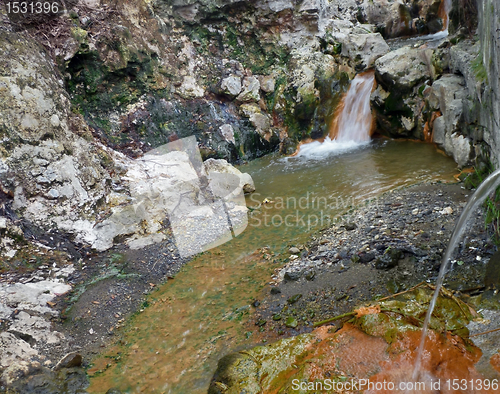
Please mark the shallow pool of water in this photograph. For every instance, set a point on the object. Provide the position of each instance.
(173, 345)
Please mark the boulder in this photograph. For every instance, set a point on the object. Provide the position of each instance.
(231, 85)
(397, 18)
(447, 95)
(250, 90)
(404, 68)
(221, 166)
(364, 49)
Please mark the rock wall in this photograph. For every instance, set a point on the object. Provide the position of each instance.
(489, 61)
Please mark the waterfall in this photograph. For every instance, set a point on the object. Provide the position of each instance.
(444, 13)
(352, 124)
(355, 120)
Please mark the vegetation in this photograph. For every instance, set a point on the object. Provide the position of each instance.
(492, 204)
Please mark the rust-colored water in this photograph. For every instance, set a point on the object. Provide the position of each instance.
(374, 366)
(190, 321)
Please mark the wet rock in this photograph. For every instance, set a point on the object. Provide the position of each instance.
(275, 290)
(350, 226)
(277, 317)
(27, 377)
(389, 260)
(293, 299)
(365, 258)
(261, 322)
(258, 119)
(227, 133)
(256, 303)
(291, 322)
(310, 275)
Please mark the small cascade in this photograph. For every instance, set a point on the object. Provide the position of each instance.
(483, 191)
(352, 124)
(444, 14)
(355, 121)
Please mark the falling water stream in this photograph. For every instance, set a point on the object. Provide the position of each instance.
(482, 192)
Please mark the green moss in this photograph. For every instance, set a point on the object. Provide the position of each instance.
(479, 69)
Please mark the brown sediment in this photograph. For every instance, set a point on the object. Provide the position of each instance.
(446, 357)
(333, 130)
(429, 126)
(443, 14)
(495, 361)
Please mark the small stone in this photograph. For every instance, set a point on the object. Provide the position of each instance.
(70, 360)
(256, 303)
(231, 85)
(53, 194)
(310, 275)
(350, 226)
(415, 211)
(446, 211)
(292, 276)
(276, 317)
(291, 322)
(261, 323)
(389, 260)
(293, 299)
(294, 250)
(275, 290)
(365, 258)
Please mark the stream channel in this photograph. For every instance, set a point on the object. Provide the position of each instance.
(173, 345)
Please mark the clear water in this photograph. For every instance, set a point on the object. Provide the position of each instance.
(174, 345)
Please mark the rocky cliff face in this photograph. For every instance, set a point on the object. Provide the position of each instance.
(487, 70)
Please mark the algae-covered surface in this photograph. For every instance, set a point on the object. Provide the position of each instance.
(374, 351)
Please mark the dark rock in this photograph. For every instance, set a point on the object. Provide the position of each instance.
(256, 303)
(70, 360)
(350, 226)
(389, 260)
(291, 322)
(275, 290)
(293, 299)
(365, 258)
(292, 276)
(492, 274)
(310, 275)
(261, 322)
